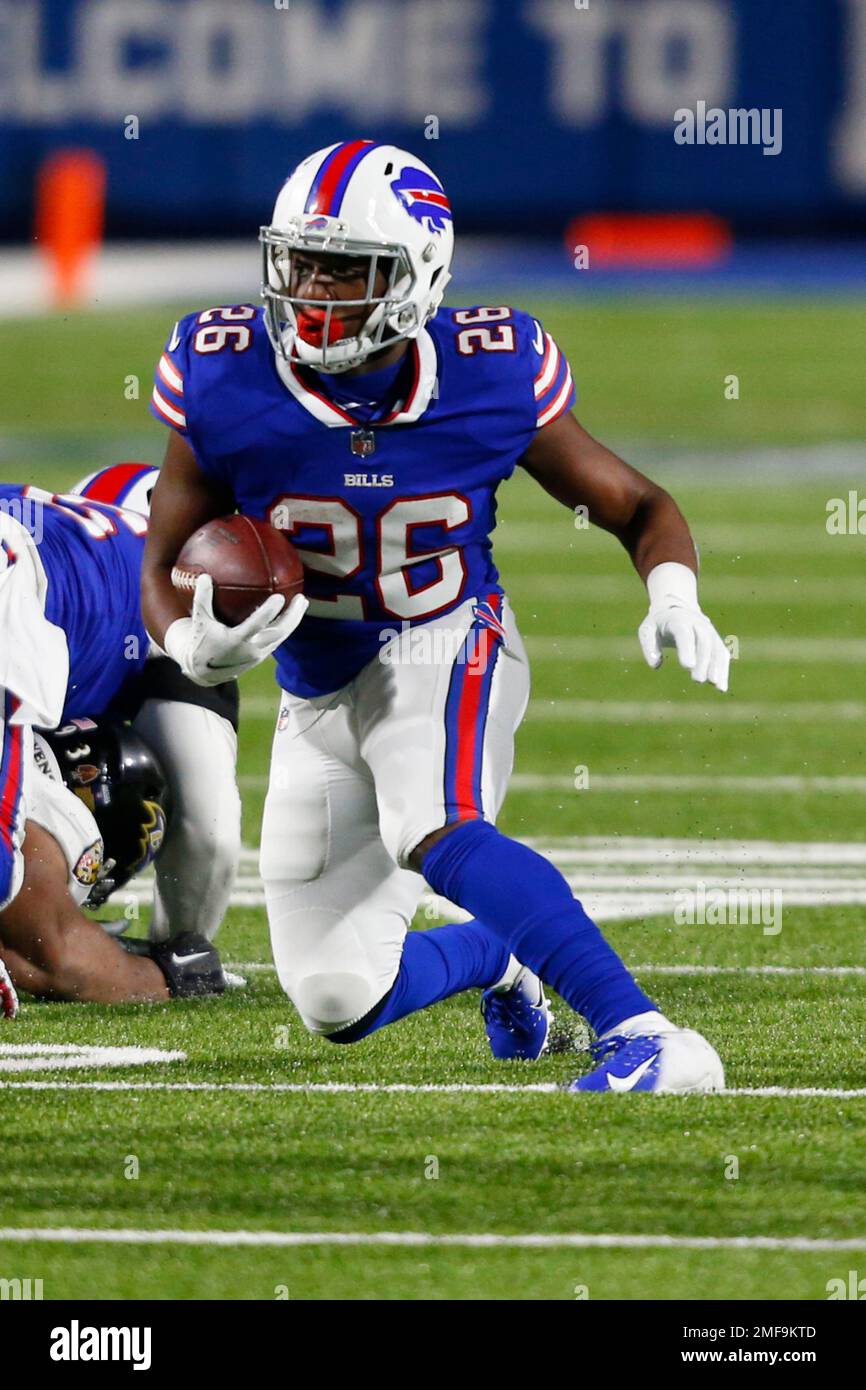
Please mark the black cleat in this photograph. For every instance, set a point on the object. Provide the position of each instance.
(190, 963)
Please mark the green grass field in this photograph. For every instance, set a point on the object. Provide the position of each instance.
(781, 760)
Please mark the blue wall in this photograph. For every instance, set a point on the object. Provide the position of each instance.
(543, 109)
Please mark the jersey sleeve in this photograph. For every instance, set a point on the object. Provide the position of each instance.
(168, 401)
(552, 383)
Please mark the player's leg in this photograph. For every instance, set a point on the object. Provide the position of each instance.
(196, 868)
(517, 893)
(403, 705)
(338, 906)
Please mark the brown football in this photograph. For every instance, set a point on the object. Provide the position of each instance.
(247, 559)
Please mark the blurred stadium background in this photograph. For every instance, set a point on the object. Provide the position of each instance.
(711, 301)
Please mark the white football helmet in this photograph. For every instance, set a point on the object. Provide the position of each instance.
(127, 485)
(358, 199)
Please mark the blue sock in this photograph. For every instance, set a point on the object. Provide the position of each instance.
(435, 964)
(527, 903)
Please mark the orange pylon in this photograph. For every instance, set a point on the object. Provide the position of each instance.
(70, 217)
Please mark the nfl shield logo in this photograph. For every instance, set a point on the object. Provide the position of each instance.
(363, 443)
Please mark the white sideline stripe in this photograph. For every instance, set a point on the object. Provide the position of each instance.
(625, 782)
(262, 967)
(481, 1240)
(299, 1088)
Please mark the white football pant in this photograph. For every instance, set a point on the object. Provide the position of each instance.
(195, 870)
(423, 736)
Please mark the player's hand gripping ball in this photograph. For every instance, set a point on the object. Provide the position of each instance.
(247, 559)
(253, 574)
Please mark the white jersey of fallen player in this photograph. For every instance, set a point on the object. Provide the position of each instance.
(34, 664)
(66, 818)
(196, 747)
(364, 200)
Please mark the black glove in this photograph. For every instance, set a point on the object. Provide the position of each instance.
(189, 962)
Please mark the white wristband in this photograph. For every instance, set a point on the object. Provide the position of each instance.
(669, 583)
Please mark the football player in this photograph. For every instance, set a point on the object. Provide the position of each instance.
(101, 799)
(374, 426)
(73, 645)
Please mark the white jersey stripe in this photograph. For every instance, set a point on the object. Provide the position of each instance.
(168, 412)
(170, 375)
(319, 406)
(548, 374)
(558, 405)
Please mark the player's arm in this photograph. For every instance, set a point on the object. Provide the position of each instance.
(183, 499)
(52, 950)
(580, 472)
(205, 649)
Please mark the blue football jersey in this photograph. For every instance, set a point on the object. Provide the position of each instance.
(392, 512)
(91, 554)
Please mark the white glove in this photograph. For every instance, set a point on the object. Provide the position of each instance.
(675, 620)
(209, 652)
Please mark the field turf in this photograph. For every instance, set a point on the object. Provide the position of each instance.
(781, 760)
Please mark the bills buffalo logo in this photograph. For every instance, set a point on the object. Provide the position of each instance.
(485, 616)
(152, 834)
(423, 197)
(316, 224)
(87, 869)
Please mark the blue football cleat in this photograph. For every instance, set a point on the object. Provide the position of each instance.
(676, 1061)
(517, 1020)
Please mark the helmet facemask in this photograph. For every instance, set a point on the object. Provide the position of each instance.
(309, 331)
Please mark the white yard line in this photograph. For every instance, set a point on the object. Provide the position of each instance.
(546, 1240)
(29, 1057)
(710, 711)
(650, 850)
(624, 588)
(793, 785)
(299, 1088)
(554, 533)
(254, 967)
(797, 650)
(623, 877)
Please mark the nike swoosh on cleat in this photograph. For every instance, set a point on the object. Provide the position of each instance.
(628, 1083)
(188, 960)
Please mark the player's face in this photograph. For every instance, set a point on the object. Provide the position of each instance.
(331, 278)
